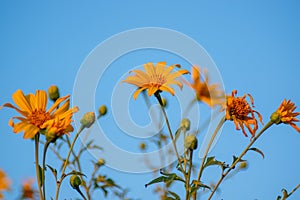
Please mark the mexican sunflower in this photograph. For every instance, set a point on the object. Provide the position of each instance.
(156, 78)
(241, 113)
(35, 117)
(285, 114)
(209, 94)
(4, 183)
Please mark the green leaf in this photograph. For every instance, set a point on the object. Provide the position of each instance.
(212, 161)
(235, 158)
(258, 151)
(176, 196)
(166, 178)
(54, 171)
(41, 176)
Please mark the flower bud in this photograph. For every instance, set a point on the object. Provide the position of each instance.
(276, 118)
(75, 181)
(100, 162)
(53, 92)
(88, 119)
(191, 142)
(142, 146)
(243, 165)
(185, 124)
(102, 110)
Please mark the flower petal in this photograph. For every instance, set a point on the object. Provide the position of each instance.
(21, 101)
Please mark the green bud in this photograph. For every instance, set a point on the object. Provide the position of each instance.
(243, 165)
(102, 110)
(100, 162)
(185, 123)
(276, 118)
(191, 142)
(75, 181)
(88, 119)
(53, 92)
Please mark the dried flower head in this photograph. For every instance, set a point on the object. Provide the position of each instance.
(241, 113)
(156, 78)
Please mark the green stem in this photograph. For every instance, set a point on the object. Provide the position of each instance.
(209, 146)
(157, 95)
(188, 191)
(269, 124)
(44, 168)
(66, 163)
(37, 167)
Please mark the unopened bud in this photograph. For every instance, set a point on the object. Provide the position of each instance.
(88, 119)
(142, 146)
(102, 110)
(53, 92)
(191, 142)
(100, 162)
(276, 118)
(185, 123)
(75, 181)
(243, 165)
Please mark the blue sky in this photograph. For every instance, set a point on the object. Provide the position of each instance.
(255, 46)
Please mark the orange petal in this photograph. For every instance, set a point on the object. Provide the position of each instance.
(57, 102)
(137, 92)
(41, 99)
(21, 101)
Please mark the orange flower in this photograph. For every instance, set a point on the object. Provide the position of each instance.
(241, 113)
(33, 110)
(209, 94)
(285, 114)
(156, 78)
(4, 183)
(27, 191)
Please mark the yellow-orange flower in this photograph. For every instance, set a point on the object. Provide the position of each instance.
(27, 190)
(33, 110)
(205, 92)
(285, 114)
(4, 183)
(156, 78)
(241, 113)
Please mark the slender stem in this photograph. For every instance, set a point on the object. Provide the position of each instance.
(37, 167)
(66, 163)
(44, 168)
(188, 192)
(294, 190)
(209, 146)
(157, 95)
(240, 157)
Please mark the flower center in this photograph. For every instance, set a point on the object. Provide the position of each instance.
(38, 117)
(157, 79)
(239, 108)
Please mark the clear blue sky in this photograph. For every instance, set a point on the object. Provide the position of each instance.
(255, 45)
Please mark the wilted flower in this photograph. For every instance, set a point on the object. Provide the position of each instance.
(241, 113)
(156, 78)
(205, 92)
(33, 110)
(285, 114)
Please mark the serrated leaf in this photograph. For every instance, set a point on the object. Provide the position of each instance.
(258, 151)
(54, 171)
(166, 179)
(176, 196)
